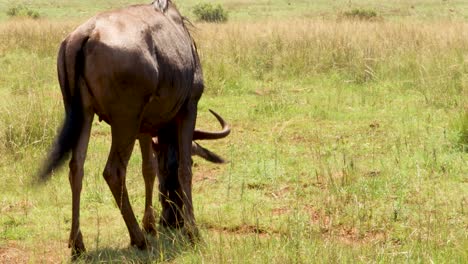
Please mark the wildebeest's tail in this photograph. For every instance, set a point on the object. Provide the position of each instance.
(70, 63)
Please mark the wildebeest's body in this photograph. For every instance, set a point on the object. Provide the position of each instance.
(138, 69)
(155, 65)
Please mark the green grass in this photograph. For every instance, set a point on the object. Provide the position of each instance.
(262, 9)
(347, 141)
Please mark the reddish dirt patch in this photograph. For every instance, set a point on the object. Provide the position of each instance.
(344, 234)
(55, 252)
(23, 205)
(13, 253)
(202, 173)
(263, 92)
(352, 236)
(282, 192)
(100, 133)
(50, 252)
(280, 211)
(303, 139)
(318, 217)
(204, 178)
(298, 139)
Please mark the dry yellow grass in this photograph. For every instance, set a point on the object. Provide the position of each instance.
(315, 46)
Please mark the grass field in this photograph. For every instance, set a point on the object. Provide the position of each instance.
(242, 10)
(349, 138)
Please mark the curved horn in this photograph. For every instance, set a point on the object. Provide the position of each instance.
(206, 154)
(200, 135)
(197, 150)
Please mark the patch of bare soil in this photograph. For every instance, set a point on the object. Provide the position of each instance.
(301, 138)
(280, 193)
(54, 252)
(352, 236)
(244, 229)
(344, 234)
(203, 173)
(317, 216)
(263, 91)
(100, 133)
(13, 253)
(22, 205)
(281, 211)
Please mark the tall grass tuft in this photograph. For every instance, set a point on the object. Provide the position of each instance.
(361, 14)
(28, 122)
(30, 110)
(40, 37)
(209, 13)
(22, 11)
(460, 130)
(426, 58)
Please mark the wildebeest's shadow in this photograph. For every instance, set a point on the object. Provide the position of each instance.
(165, 246)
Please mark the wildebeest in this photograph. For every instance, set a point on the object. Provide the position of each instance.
(137, 69)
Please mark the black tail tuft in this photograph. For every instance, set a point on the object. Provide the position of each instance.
(66, 140)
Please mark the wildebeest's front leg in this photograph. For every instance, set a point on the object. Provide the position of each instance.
(185, 127)
(76, 178)
(169, 187)
(149, 174)
(123, 140)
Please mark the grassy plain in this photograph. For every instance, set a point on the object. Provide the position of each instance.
(261, 9)
(349, 139)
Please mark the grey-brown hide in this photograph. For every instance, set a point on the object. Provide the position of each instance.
(137, 68)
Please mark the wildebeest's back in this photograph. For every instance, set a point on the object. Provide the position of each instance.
(149, 58)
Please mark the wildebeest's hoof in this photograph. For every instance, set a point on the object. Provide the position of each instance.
(140, 244)
(77, 251)
(150, 229)
(192, 234)
(149, 222)
(77, 246)
(169, 219)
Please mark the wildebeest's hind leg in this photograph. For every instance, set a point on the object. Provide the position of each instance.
(185, 127)
(123, 139)
(76, 178)
(149, 175)
(169, 186)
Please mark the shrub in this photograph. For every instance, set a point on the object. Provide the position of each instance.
(361, 14)
(460, 129)
(209, 13)
(22, 11)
